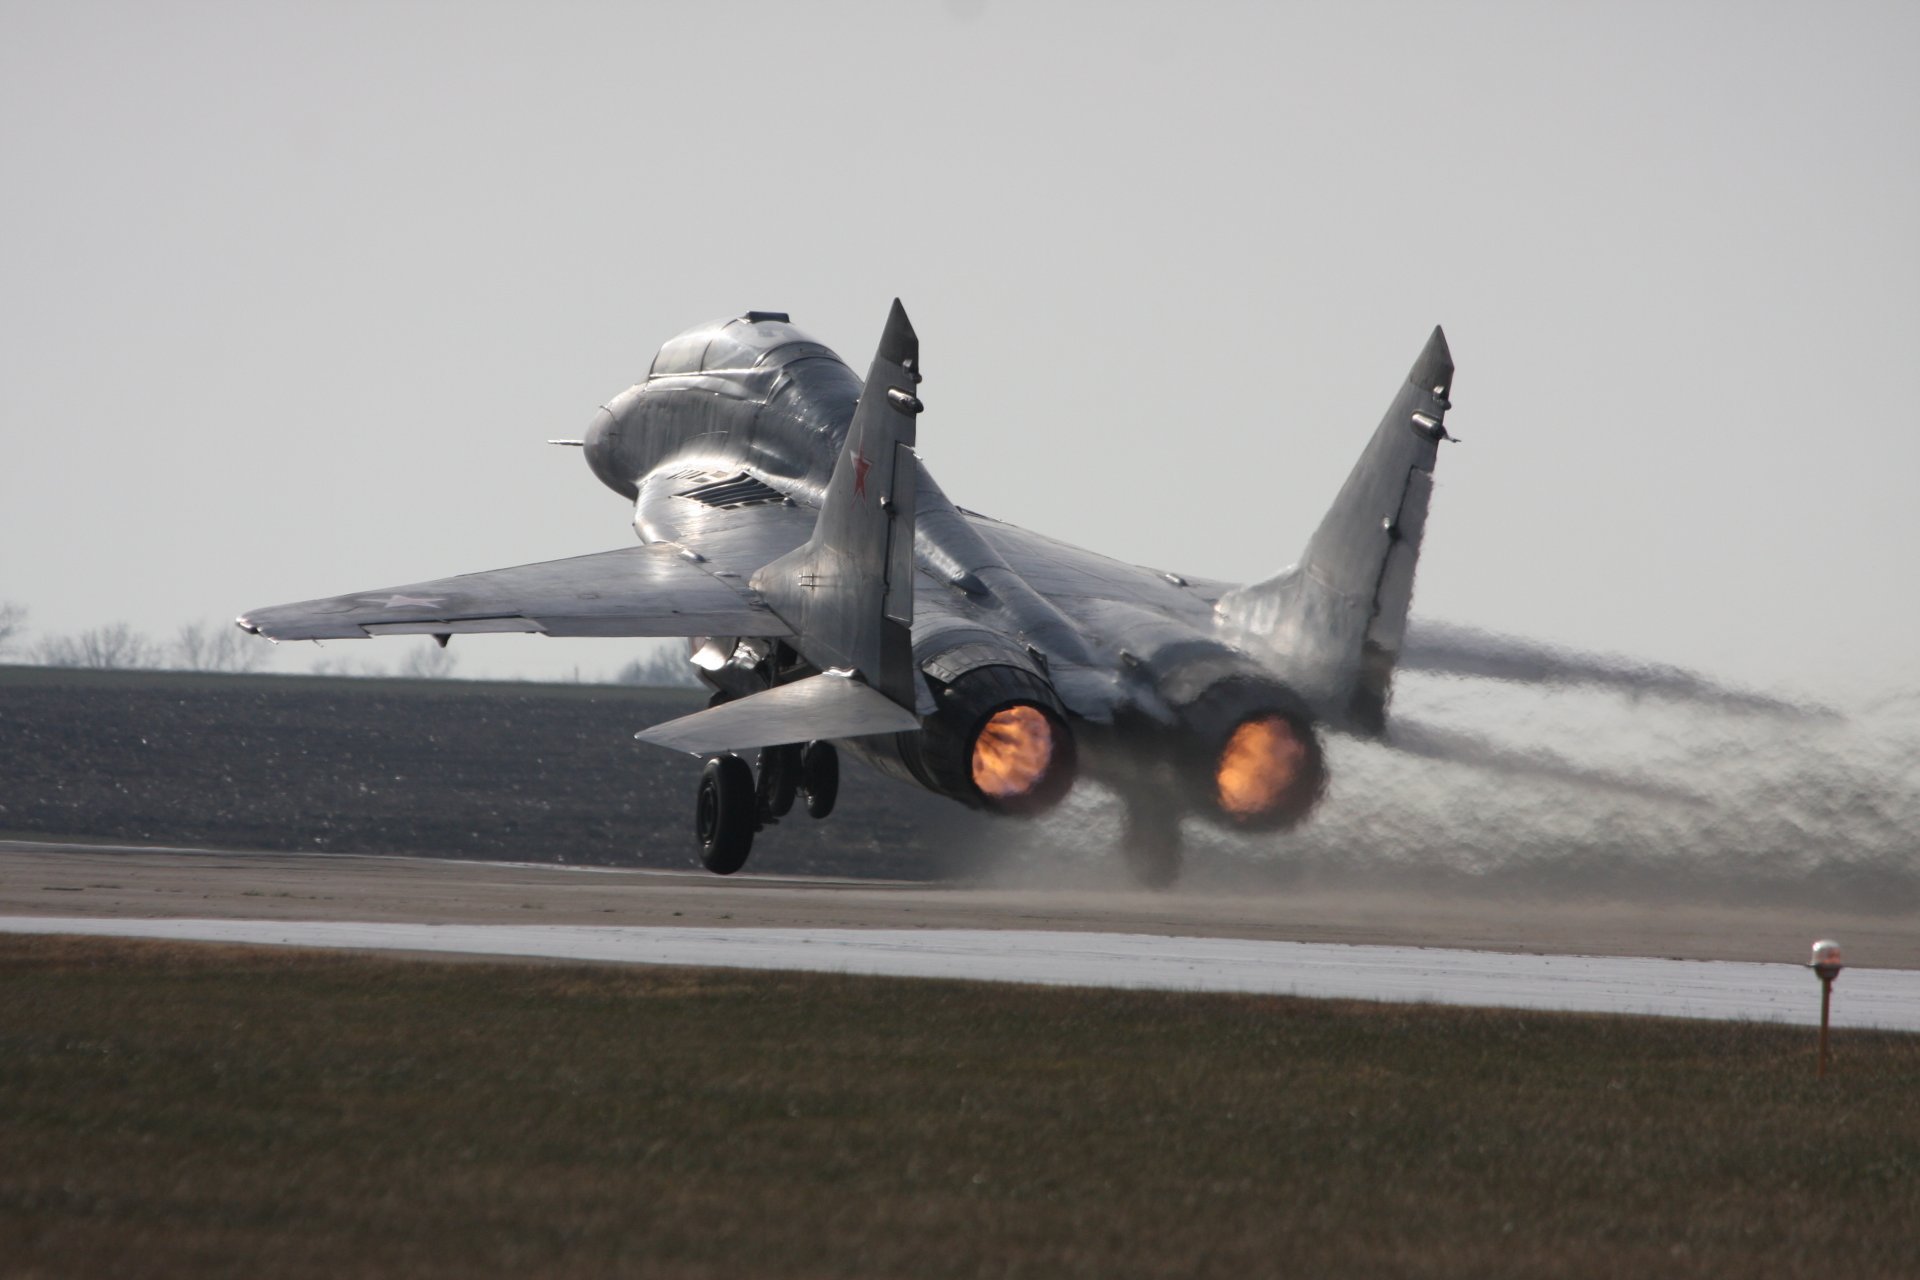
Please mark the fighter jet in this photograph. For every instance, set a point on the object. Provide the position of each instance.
(835, 599)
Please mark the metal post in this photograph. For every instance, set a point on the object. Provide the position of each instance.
(1826, 1007)
(1827, 963)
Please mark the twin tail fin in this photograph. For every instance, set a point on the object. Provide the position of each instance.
(1338, 618)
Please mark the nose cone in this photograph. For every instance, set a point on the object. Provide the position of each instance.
(602, 441)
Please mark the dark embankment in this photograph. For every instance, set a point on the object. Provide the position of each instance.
(546, 773)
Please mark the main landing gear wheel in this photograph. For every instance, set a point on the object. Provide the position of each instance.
(1150, 843)
(779, 780)
(726, 815)
(820, 778)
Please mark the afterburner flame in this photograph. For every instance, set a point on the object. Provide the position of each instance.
(1013, 752)
(1260, 764)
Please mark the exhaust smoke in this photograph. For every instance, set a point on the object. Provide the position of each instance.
(1601, 796)
(1573, 793)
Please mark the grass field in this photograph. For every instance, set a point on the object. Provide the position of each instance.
(197, 1110)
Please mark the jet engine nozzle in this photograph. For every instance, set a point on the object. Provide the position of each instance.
(1249, 751)
(1013, 753)
(1264, 774)
(999, 741)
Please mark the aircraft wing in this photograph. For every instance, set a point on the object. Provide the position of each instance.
(653, 590)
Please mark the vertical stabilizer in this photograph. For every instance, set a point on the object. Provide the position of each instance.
(848, 593)
(1334, 623)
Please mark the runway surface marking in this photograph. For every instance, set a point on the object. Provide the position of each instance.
(1888, 998)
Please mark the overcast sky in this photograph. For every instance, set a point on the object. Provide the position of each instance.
(291, 294)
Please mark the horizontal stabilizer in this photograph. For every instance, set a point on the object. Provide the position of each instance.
(824, 706)
(635, 591)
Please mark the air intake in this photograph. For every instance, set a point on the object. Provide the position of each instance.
(737, 490)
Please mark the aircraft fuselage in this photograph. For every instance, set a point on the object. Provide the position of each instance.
(759, 413)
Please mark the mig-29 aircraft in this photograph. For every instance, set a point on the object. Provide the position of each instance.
(835, 597)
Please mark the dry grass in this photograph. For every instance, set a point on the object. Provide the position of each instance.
(197, 1110)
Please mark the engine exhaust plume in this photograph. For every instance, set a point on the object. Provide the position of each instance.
(1451, 650)
(1259, 767)
(1013, 753)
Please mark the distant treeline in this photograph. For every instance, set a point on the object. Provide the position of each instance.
(222, 647)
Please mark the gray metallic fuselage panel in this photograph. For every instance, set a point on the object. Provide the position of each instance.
(987, 593)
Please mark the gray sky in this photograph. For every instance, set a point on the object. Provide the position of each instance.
(291, 294)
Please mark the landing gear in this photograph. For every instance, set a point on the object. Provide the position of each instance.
(726, 814)
(779, 780)
(820, 778)
(1150, 843)
(732, 805)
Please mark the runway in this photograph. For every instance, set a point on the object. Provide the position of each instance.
(1883, 998)
(1675, 959)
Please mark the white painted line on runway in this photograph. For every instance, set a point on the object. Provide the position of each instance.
(1722, 989)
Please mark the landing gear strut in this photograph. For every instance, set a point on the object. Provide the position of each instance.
(1150, 843)
(779, 780)
(820, 778)
(732, 806)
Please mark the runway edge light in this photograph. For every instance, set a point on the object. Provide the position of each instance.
(1826, 964)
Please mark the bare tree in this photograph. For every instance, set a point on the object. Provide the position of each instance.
(13, 621)
(664, 667)
(193, 647)
(109, 648)
(201, 647)
(433, 661)
(348, 667)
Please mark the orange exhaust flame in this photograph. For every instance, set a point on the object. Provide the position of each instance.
(1013, 752)
(1259, 765)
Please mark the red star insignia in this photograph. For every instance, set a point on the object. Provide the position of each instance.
(860, 468)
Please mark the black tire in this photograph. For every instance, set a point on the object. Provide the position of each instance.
(779, 780)
(725, 816)
(1151, 845)
(820, 778)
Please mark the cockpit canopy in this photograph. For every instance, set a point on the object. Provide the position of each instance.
(756, 340)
